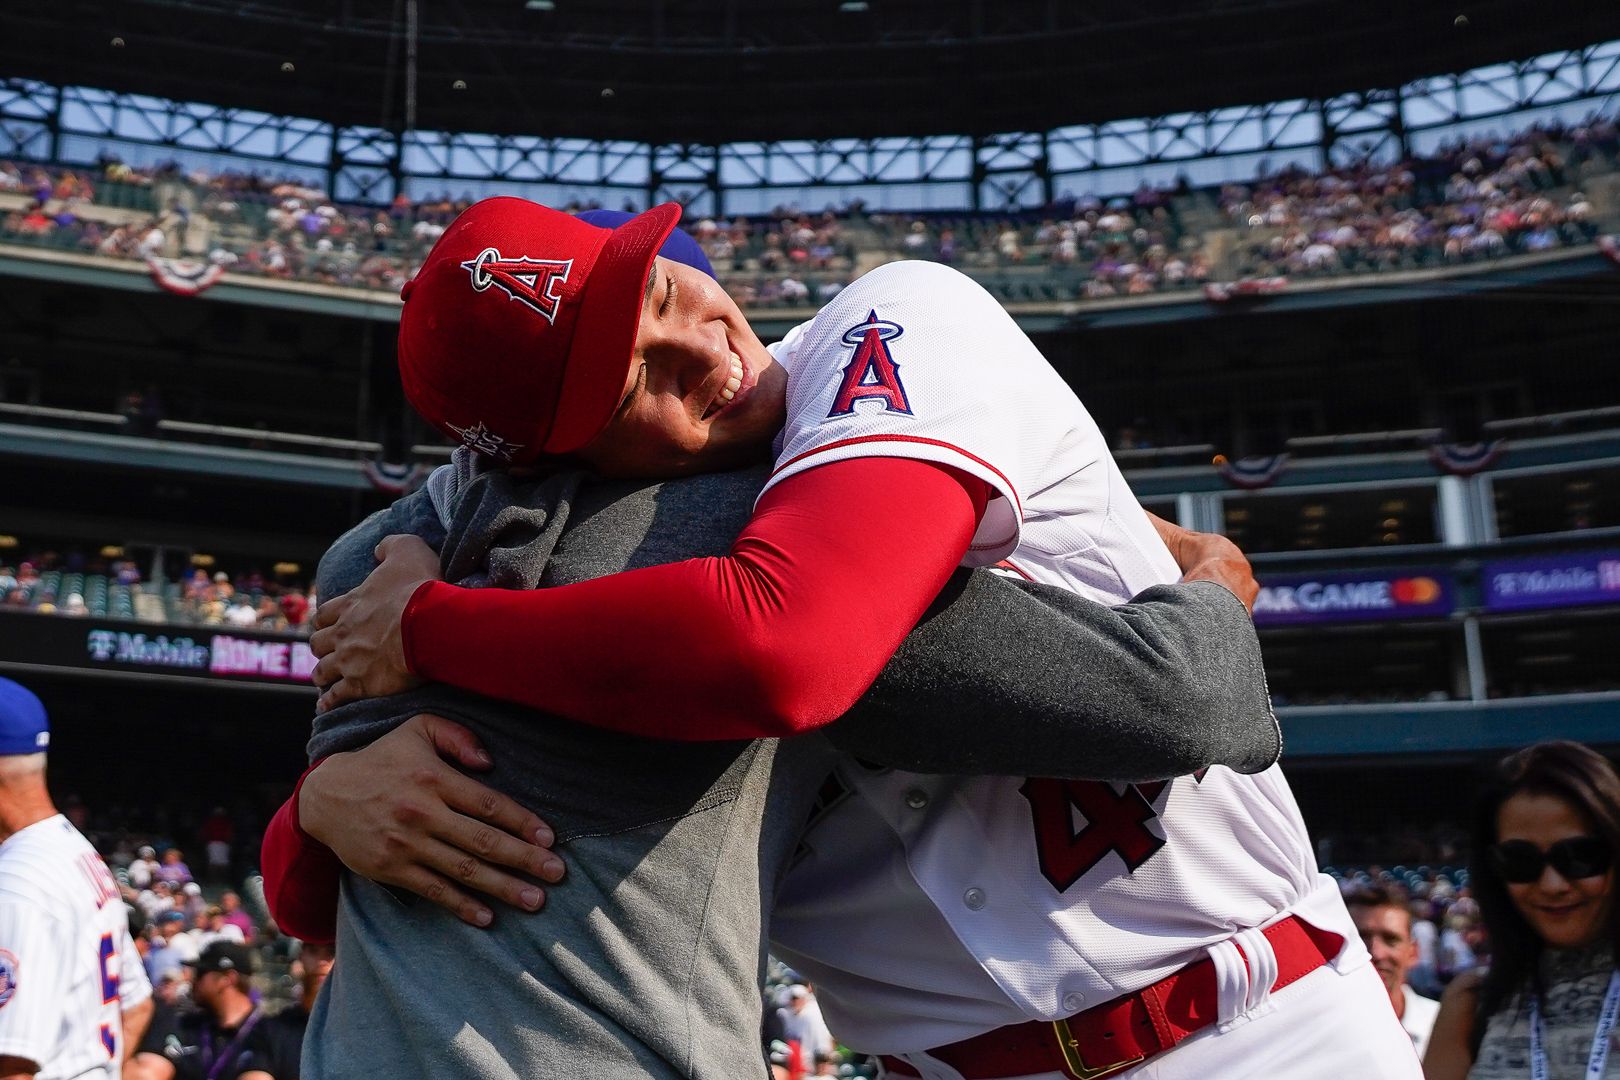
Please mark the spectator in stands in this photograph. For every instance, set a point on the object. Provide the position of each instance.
(268, 614)
(211, 927)
(231, 906)
(173, 948)
(1456, 949)
(172, 869)
(157, 899)
(804, 1028)
(1385, 924)
(1545, 839)
(172, 990)
(1424, 975)
(241, 613)
(141, 872)
(190, 903)
(217, 835)
(226, 1037)
(313, 965)
(295, 608)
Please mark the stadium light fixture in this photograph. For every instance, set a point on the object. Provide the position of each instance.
(540, 5)
(854, 7)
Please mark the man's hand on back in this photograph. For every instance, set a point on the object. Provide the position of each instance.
(1209, 557)
(357, 636)
(400, 813)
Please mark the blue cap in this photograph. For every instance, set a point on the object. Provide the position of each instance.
(679, 247)
(23, 727)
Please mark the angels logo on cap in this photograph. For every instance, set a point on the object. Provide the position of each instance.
(529, 281)
(528, 386)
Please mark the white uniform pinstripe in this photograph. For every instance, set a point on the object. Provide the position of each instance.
(68, 968)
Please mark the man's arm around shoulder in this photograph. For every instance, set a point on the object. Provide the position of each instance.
(1159, 687)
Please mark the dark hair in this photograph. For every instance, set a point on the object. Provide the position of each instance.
(1564, 770)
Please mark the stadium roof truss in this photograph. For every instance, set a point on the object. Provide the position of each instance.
(1009, 170)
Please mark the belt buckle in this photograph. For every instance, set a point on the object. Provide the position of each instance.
(1070, 1045)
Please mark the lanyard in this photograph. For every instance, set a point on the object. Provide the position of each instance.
(1599, 1059)
(217, 1064)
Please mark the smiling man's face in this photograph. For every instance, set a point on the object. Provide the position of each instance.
(703, 394)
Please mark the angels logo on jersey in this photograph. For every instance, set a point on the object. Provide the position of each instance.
(872, 373)
(8, 977)
(532, 282)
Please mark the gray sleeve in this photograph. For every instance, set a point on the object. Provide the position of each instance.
(1005, 677)
(350, 559)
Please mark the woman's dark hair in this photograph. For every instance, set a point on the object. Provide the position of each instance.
(1586, 781)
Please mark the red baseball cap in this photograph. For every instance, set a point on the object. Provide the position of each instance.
(517, 331)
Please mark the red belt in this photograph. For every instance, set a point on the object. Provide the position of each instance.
(1122, 1033)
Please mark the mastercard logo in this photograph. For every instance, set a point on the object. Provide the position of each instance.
(1416, 590)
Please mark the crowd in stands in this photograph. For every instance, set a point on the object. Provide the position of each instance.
(1475, 199)
(218, 965)
(77, 584)
(1121, 247)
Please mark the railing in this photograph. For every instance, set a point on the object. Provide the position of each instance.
(187, 431)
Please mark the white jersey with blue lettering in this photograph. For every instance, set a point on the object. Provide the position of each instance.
(930, 909)
(68, 968)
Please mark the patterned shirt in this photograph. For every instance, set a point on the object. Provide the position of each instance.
(1576, 981)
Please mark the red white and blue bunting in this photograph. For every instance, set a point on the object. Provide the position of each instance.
(1466, 459)
(393, 479)
(1251, 472)
(184, 277)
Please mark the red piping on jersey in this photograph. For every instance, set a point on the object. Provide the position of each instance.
(841, 443)
(1008, 564)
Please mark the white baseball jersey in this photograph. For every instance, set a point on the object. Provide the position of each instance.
(68, 968)
(929, 909)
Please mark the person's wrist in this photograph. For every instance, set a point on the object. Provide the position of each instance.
(309, 800)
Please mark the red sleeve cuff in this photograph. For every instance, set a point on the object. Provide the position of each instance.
(419, 601)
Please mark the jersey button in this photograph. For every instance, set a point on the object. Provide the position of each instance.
(974, 898)
(916, 798)
(1072, 1002)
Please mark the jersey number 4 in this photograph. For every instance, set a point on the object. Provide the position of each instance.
(1115, 821)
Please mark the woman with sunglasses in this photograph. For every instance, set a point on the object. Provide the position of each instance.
(1545, 837)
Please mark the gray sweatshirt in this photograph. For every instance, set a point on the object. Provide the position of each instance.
(645, 961)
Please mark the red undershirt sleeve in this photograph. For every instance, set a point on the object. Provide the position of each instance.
(780, 636)
(301, 875)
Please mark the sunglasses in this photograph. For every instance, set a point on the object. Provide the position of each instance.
(1520, 862)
